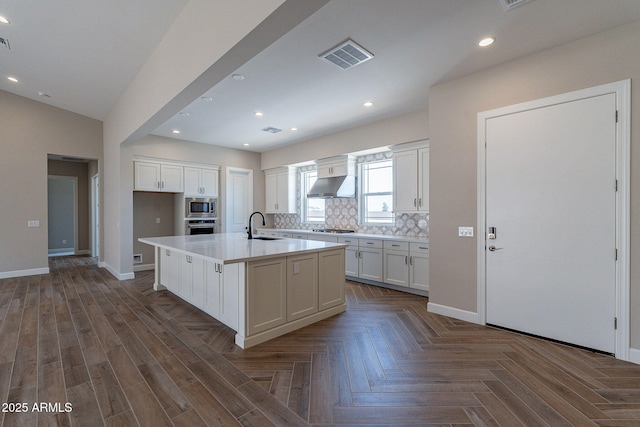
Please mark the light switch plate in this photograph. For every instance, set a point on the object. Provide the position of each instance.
(33, 223)
(465, 231)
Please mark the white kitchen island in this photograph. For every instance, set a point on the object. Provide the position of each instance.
(260, 288)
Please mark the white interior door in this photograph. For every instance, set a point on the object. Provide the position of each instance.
(239, 199)
(550, 194)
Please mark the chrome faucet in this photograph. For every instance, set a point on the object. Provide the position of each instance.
(264, 222)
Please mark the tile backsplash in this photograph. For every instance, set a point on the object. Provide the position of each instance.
(343, 214)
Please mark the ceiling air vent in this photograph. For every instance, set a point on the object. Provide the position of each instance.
(347, 55)
(512, 4)
(271, 129)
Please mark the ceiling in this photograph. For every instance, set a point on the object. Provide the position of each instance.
(84, 54)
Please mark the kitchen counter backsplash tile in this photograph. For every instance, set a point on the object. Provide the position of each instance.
(343, 214)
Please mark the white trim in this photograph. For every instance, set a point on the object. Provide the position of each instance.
(119, 276)
(54, 251)
(143, 267)
(456, 313)
(228, 208)
(634, 355)
(622, 90)
(102, 264)
(84, 252)
(22, 273)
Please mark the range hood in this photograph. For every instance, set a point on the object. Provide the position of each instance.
(334, 186)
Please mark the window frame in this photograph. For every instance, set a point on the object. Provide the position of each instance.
(362, 196)
(304, 201)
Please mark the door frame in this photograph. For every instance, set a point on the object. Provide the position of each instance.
(95, 215)
(622, 90)
(228, 208)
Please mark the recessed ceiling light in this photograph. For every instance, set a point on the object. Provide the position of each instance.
(12, 79)
(43, 94)
(207, 98)
(184, 113)
(258, 114)
(175, 131)
(293, 129)
(368, 104)
(486, 42)
(245, 144)
(4, 20)
(237, 77)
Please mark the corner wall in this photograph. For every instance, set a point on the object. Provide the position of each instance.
(603, 58)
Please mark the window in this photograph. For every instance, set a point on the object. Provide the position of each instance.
(312, 209)
(376, 192)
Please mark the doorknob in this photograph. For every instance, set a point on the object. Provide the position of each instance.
(493, 248)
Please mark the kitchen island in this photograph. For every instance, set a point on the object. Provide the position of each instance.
(260, 288)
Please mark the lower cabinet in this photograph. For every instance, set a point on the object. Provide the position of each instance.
(419, 266)
(302, 286)
(407, 264)
(363, 258)
(266, 294)
(330, 279)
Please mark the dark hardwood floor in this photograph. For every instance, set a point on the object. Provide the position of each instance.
(120, 354)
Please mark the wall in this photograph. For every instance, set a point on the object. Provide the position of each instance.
(396, 130)
(146, 208)
(30, 131)
(80, 171)
(606, 57)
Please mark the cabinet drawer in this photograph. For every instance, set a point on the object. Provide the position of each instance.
(370, 243)
(396, 245)
(351, 241)
(416, 247)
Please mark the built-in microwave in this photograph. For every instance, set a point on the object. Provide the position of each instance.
(201, 207)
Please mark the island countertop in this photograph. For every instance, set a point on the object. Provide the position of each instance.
(230, 248)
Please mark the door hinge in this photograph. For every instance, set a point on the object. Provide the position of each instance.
(615, 323)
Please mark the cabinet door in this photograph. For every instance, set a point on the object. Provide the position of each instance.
(371, 264)
(302, 286)
(396, 268)
(351, 261)
(171, 178)
(405, 181)
(419, 272)
(186, 277)
(271, 192)
(211, 303)
(282, 197)
(192, 185)
(324, 170)
(340, 169)
(197, 282)
(175, 272)
(423, 183)
(209, 182)
(147, 176)
(230, 282)
(165, 269)
(266, 294)
(330, 278)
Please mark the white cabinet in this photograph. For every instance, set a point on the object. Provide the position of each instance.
(302, 286)
(336, 166)
(200, 182)
(411, 180)
(419, 266)
(330, 279)
(323, 237)
(266, 294)
(280, 190)
(406, 264)
(363, 258)
(151, 176)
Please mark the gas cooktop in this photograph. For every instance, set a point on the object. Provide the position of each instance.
(332, 230)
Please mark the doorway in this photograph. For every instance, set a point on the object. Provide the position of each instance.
(95, 216)
(239, 199)
(62, 198)
(553, 203)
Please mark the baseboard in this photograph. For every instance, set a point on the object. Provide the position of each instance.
(143, 267)
(456, 313)
(83, 252)
(102, 264)
(22, 273)
(117, 275)
(61, 250)
(634, 355)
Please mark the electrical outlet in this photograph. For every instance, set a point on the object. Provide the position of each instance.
(296, 268)
(157, 220)
(465, 231)
(64, 242)
(33, 223)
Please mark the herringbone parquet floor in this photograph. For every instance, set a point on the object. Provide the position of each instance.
(121, 354)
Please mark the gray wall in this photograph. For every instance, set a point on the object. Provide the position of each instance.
(453, 106)
(30, 131)
(146, 208)
(61, 194)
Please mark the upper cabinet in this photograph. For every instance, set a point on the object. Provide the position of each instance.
(336, 166)
(280, 190)
(152, 176)
(200, 182)
(411, 178)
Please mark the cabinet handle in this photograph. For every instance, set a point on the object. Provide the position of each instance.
(423, 247)
(406, 260)
(162, 185)
(189, 259)
(220, 268)
(158, 184)
(410, 260)
(167, 252)
(415, 205)
(369, 243)
(420, 201)
(395, 246)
